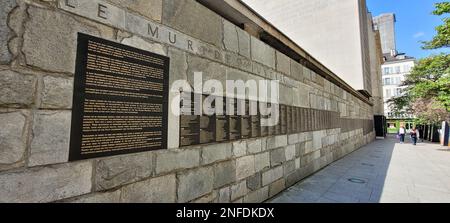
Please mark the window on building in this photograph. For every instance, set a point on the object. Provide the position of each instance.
(388, 93)
(397, 69)
(398, 92)
(386, 70)
(406, 68)
(387, 81)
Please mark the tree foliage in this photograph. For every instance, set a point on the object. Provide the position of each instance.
(442, 38)
(427, 92)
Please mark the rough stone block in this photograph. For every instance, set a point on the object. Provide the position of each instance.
(224, 195)
(293, 178)
(262, 161)
(276, 187)
(51, 137)
(57, 93)
(244, 42)
(296, 70)
(46, 184)
(254, 182)
(289, 167)
(272, 175)
(142, 44)
(209, 70)
(276, 141)
(257, 196)
(195, 183)
(55, 52)
(100, 197)
(254, 146)
(290, 152)
(209, 198)
(245, 167)
(230, 37)
(154, 190)
(224, 173)
(239, 148)
(151, 9)
(186, 16)
(16, 89)
(238, 190)
(167, 161)
(5, 33)
(120, 170)
(216, 152)
(283, 63)
(13, 137)
(277, 156)
(293, 139)
(238, 61)
(262, 53)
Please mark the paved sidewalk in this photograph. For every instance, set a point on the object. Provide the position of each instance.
(383, 171)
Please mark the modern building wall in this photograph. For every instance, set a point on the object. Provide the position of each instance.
(394, 73)
(333, 31)
(385, 23)
(36, 85)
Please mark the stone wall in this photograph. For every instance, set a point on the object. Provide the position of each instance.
(37, 59)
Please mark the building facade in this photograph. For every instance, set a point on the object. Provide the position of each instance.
(171, 40)
(385, 23)
(338, 38)
(395, 69)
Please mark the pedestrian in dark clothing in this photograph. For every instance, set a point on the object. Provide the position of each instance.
(401, 134)
(413, 134)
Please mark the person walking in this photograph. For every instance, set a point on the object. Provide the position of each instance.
(413, 134)
(401, 134)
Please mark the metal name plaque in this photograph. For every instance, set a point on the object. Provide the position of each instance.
(120, 101)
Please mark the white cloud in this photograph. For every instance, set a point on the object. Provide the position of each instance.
(419, 34)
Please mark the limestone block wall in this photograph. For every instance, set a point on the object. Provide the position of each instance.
(37, 57)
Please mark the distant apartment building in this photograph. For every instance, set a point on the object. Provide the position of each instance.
(394, 69)
(335, 32)
(385, 23)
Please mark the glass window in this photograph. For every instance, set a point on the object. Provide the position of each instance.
(387, 81)
(397, 69)
(386, 70)
(388, 93)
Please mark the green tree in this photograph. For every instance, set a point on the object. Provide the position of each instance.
(442, 38)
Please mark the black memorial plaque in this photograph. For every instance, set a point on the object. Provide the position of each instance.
(246, 125)
(222, 124)
(255, 119)
(120, 101)
(234, 120)
(189, 122)
(208, 124)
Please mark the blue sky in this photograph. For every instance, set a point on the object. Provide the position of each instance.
(414, 23)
